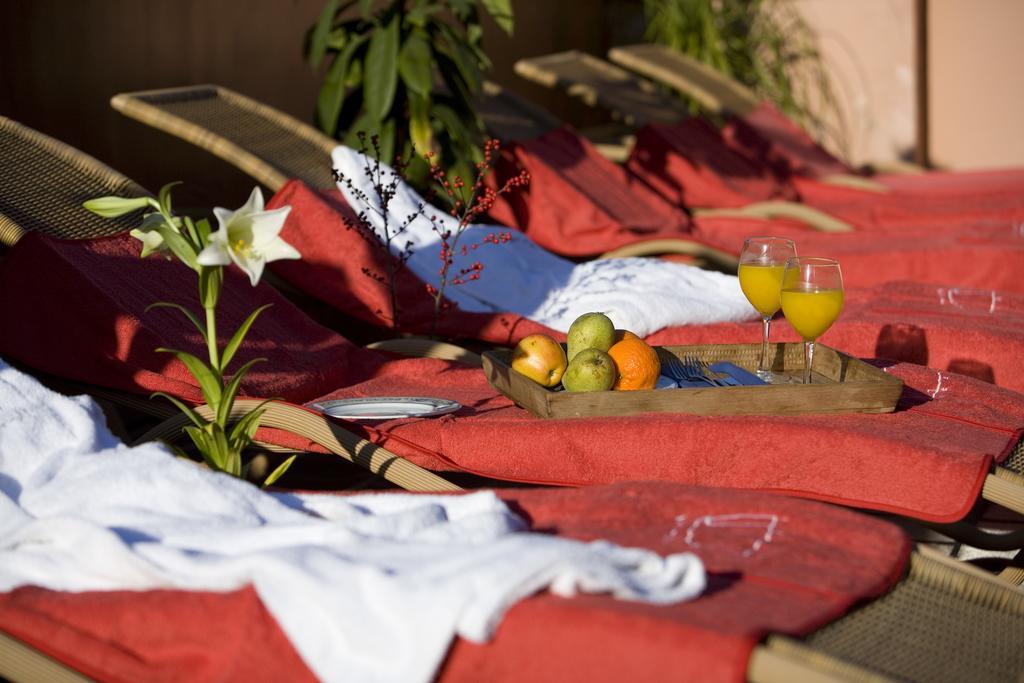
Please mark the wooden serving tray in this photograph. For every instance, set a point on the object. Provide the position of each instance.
(841, 384)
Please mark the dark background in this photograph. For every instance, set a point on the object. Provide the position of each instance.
(62, 60)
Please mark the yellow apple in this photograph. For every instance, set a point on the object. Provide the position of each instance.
(540, 358)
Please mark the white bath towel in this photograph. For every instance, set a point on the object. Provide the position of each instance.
(639, 294)
(367, 588)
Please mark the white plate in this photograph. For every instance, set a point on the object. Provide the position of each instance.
(386, 407)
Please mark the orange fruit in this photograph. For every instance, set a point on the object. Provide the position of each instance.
(624, 334)
(637, 364)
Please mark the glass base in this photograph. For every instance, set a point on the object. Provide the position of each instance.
(773, 377)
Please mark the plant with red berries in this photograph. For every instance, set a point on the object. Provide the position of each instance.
(468, 204)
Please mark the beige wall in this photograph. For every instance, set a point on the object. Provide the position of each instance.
(868, 48)
(976, 87)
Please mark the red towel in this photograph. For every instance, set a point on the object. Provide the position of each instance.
(970, 332)
(984, 345)
(578, 203)
(770, 137)
(973, 258)
(775, 565)
(77, 310)
(570, 216)
(927, 460)
(689, 163)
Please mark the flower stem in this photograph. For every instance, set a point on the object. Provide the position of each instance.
(211, 338)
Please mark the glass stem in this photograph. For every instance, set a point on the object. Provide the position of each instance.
(766, 323)
(808, 360)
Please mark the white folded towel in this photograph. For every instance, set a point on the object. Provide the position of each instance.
(638, 294)
(367, 588)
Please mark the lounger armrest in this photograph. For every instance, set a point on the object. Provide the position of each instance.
(855, 182)
(428, 348)
(326, 433)
(816, 219)
(714, 257)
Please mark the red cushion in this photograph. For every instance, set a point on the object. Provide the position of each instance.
(342, 269)
(769, 137)
(578, 203)
(927, 460)
(79, 311)
(690, 165)
(775, 565)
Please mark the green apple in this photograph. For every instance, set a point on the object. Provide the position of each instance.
(590, 331)
(590, 370)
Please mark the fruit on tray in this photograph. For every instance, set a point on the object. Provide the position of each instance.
(637, 365)
(540, 358)
(590, 370)
(590, 331)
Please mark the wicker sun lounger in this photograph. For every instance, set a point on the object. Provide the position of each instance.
(273, 147)
(942, 622)
(46, 182)
(713, 90)
(909, 634)
(599, 83)
(215, 118)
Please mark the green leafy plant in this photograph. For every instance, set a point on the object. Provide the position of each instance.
(405, 72)
(249, 238)
(763, 44)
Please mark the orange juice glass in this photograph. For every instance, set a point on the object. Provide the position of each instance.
(762, 263)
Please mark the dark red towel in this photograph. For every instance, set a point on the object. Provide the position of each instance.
(77, 309)
(689, 165)
(986, 345)
(87, 321)
(775, 565)
(770, 137)
(578, 203)
(927, 460)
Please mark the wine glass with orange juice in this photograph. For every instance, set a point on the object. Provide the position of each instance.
(762, 263)
(812, 298)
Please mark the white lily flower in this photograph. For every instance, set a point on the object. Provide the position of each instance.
(248, 237)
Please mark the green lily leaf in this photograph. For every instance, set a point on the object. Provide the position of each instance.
(381, 78)
(364, 8)
(209, 380)
(220, 448)
(112, 207)
(164, 197)
(203, 229)
(228, 396)
(501, 12)
(179, 246)
(205, 446)
(321, 31)
(236, 339)
(414, 64)
(278, 472)
(191, 414)
(187, 313)
(243, 431)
